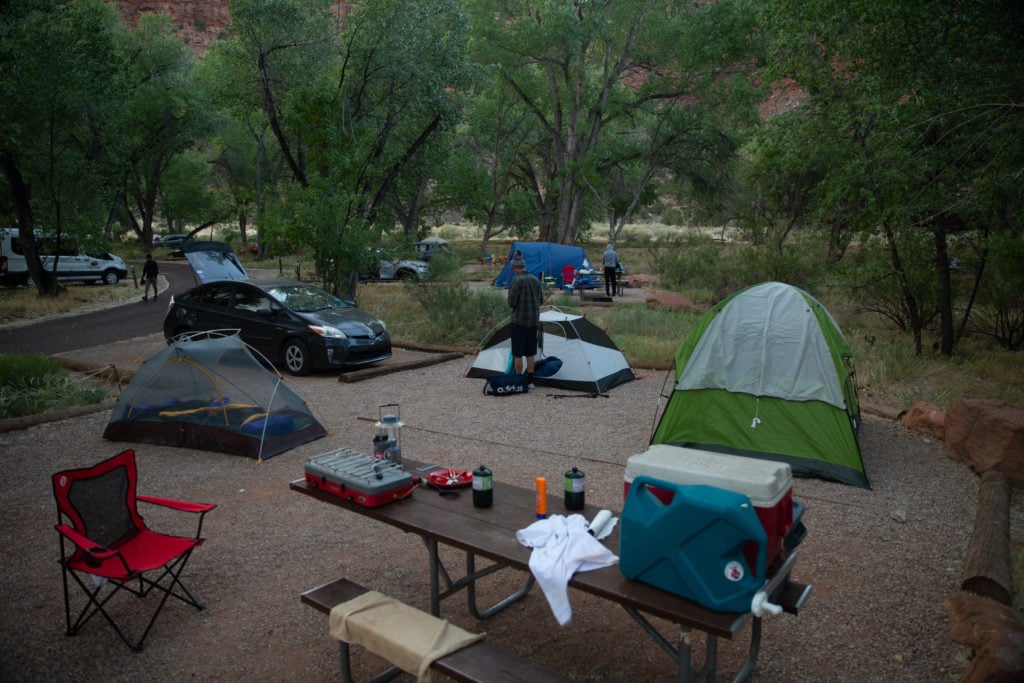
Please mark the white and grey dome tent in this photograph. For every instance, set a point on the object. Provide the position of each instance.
(591, 361)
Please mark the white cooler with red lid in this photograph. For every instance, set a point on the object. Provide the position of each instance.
(768, 484)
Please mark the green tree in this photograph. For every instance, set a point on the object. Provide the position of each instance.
(616, 90)
(60, 79)
(921, 128)
(486, 177)
(239, 164)
(356, 110)
(165, 117)
(185, 194)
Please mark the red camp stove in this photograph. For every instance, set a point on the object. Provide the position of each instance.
(359, 477)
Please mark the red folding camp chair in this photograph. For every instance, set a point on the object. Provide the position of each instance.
(110, 546)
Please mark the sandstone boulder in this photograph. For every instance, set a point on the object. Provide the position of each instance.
(926, 418)
(988, 435)
(671, 300)
(994, 631)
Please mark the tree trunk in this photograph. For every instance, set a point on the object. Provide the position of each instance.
(909, 300)
(46, 284)
(945, 289)
(243, 226)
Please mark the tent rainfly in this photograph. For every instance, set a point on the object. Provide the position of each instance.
(211, 393)
(591, 361)
(543, 260)
(767, 373)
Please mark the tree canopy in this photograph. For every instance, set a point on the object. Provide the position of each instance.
(900, 149)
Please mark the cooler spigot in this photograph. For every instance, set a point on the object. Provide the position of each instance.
(760, 605)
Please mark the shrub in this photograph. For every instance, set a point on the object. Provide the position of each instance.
(999, 313)
(671, 215)
(456, 315)
(31, 384)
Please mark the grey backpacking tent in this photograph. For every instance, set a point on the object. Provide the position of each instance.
(767, 373)
(211, 393)
(591, 361)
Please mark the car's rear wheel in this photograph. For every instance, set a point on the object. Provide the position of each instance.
(296, 358)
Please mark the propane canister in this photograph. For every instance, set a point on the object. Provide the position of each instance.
(483, 487)
(575, 489)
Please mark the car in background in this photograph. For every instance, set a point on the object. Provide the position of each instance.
(169, 241)
(388, 268)
(290, 322)
(430, 247)
(71, 263)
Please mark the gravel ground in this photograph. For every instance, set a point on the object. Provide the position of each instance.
(881, 561)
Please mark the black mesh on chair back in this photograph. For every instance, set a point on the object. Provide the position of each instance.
(102, 503)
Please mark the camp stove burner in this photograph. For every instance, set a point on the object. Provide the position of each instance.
(359, 477)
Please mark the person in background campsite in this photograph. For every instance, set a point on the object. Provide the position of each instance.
(610, 261)
(524, 298)
(150, 270)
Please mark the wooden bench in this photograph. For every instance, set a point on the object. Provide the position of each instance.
(480, 661)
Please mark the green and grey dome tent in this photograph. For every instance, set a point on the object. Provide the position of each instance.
(767, 373)
(209, 391)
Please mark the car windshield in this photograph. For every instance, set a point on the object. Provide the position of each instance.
(306, 299)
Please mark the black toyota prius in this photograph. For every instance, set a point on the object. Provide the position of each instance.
(290, 322)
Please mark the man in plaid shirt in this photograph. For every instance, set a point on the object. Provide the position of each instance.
(524, 298)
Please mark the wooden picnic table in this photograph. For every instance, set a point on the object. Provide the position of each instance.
(490, 533)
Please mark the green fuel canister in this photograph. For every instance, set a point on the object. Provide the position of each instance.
(483, 487)
(575, 489)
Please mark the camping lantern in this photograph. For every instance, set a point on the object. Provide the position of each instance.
(389, 426)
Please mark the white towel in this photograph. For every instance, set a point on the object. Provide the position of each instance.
(562, 547)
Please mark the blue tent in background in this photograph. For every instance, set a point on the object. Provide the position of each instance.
(543, 260)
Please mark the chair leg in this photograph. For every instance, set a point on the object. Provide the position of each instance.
(173, 570)
(95, 605)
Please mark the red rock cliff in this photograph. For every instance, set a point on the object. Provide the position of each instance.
(198, 22)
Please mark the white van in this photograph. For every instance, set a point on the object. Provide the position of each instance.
(73, 264)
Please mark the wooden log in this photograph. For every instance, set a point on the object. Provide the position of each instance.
(377, 371)
(987, 566)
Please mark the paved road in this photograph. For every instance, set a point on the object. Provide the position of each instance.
(68, 333)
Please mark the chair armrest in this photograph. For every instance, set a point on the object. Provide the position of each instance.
(182, 505)
(91, 547)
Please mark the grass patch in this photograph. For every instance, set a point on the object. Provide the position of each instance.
(31, 384)
(23, 303)
(888, 371)
(448, 312)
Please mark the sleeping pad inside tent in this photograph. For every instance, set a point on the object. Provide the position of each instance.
(767, 373)
(211, 393)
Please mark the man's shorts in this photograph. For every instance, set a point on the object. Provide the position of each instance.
(524, 341)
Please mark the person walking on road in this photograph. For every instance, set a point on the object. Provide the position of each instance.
(524, 298)
(610, 261)
(150, 270)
